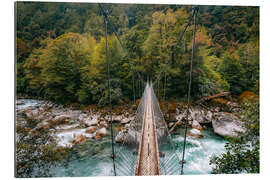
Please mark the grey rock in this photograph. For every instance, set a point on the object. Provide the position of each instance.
(126, 120)
(196, 125)
(32, 113)
(208, 117)
(102, 132)
(227, 124)
(195, 133)
(19, 102)
(117, 118)
(127, 137)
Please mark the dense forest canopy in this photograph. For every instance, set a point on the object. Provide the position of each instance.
(61, 50)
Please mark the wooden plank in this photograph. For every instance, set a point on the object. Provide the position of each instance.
(148, 162)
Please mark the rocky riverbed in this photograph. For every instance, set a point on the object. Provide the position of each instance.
(224, 123)
(68, 125)
(223, 120)
(71, 126)
(88, 132)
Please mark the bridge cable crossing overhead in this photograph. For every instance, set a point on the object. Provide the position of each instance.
(195, 11)
(164, 69)
(145, 146)
(106, 16)
(110, 101)
(174, 47)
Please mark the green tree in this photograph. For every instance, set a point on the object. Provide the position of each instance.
(249, 58)
(226, 55)
(233, 72)
(242, 154)
(55, 69)
(95, 26)
(22, 52)
(61, 64)
(94, 75)
(36, 150)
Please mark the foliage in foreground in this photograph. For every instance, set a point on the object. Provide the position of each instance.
(36, 150)
(242, 154)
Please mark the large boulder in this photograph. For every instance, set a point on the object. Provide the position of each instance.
(104, 124)
(196, 115)
(79, 139)
(127, 137)
(19, 102)
(201, 116)
(101, 132)
(207, 117)
(126, 120)
(196, 125)
(227, 124)
(31, 113)
(42, 126)
(120, 137)
(91, 129)
(117, 118)
(61, 119)
(44, 116)
(91, 121)
(195, 133)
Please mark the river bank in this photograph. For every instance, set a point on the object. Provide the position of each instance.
(86, 133)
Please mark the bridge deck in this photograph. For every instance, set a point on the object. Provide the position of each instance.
(148, 155)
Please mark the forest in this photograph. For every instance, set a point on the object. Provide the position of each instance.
(61, 50)
(60, 55)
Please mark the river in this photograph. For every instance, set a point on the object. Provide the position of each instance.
(92, 158)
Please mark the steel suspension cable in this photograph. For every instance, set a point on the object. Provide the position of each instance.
(133, 86)
(164, 95)
(118, 38)
(195, 10)
(182, 35)
(121, 44)
(110, 101)
(139, 88)
(174, 47)
(158, 89)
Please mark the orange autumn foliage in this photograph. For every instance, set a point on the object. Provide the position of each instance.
(248, 95)
(220, 101)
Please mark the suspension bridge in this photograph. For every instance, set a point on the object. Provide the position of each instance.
(148, 155)
(147, 147)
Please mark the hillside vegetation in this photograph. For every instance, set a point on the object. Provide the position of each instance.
(61, 50)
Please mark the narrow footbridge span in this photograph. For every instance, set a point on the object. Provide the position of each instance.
(146, 146)
(148, 162)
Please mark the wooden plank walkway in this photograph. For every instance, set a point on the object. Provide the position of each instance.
(148, 154)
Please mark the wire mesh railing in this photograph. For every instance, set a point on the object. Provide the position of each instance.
(169, 159)
(128, 140)
(148, 155)
(157, 158)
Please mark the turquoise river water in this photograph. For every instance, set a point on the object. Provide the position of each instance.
(93, 157)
